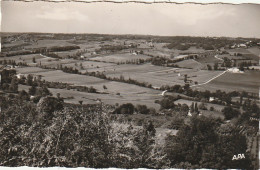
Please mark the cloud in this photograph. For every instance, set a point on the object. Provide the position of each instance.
(61, 14)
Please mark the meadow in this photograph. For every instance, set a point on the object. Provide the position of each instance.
(159, 76)
(115, 92)
(248, 81)
(192, 64)
(115, 58)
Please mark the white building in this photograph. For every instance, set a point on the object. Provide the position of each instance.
(211, 99)
(235, 70)
(19, 76)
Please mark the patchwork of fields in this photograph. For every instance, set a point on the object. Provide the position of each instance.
(117, 92)
(157, 76)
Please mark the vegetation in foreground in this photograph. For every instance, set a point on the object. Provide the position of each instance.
(51, 133)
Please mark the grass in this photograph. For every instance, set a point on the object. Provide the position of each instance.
(128, 93)
(248, 81)
(192, 64)
(156, 75)
(49, 43)
(23, 58)
(207, 60)
(115, 58)
(31, 70)
(208, 105)
(90, 66)
(254, 50)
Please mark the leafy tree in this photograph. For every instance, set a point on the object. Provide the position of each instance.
(32, 90)
(14, 85)
(23, 95)
(167, 103)
(192, 107)
(185, 78)
(230, 113)
(104, 87)
(29, 80)
(184, 108)
(196, 110)
(216, 66)
(7, 76)
(127, 108)
(142, 109)
(47, 105)
(201, 143)
(149, 128)
(209, 67)
(80, 102)
(33, 60)
(187, 146)
(177, 122)
(43, 91)
(202, 106)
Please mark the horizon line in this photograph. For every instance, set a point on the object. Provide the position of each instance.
(155, 35)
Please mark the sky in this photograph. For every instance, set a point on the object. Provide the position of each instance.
(132, 18)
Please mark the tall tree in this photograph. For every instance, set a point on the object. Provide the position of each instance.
(14, 85)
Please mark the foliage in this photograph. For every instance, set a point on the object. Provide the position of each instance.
(49, 104)
(127, 108)
(168, 102)
(142, 109)
(230, 113)
(177, 122)
(73, 137)
(199, 145)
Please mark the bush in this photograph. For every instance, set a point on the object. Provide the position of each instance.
(152, 111)
(168, 102)
(49, 105)
(177, 123)
(142, 109)
(202, 106)
(127, 108)
(230, 113)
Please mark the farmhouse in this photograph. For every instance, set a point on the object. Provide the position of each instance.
(7, 67)
(187, 56)
(235, 70)
(242, 45)
(182, 57)
(19, 76)
(211, 99)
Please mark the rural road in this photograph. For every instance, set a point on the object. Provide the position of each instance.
(216, 56)
(161, 71)
(209, 79)
(45, 56)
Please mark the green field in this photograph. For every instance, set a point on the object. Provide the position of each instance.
(192, 64)
(24, 58)
(48, 43)
(117, 92)
(155, 75)
(115, 58)
(217, 108)
(248, 81)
